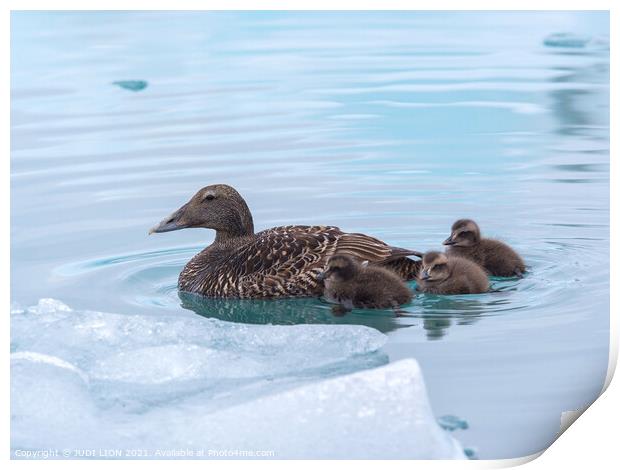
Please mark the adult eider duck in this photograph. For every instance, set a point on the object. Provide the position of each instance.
(497, 258)
(351, 284)
(442, 274)
(277, 262)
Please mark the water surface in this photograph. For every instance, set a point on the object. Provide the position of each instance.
(390, 124)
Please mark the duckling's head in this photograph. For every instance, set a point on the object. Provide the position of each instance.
(340, 268)
(219, 207)
(465, 232)
(434, 267)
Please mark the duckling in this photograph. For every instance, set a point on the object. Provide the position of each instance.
(494, 256)
(442, 274)
(277, 262)
(350, 284)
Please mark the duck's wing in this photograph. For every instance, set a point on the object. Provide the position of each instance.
(326, 241)
(367, 248)
(370, 249)
(284, 261)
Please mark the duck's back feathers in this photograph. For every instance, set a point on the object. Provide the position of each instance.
(368, 248)
(280, 262)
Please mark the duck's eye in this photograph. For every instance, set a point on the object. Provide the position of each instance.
(209, 197)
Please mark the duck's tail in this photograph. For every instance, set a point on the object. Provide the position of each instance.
(406, 268)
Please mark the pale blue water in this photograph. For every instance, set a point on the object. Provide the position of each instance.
(390, 124)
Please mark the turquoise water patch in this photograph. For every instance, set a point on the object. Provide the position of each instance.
(131, 85)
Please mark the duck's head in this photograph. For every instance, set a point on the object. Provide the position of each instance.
(465, 232)
(434, 267)
(340, 268)
(219, 207)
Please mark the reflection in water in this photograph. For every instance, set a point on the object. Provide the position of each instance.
(575, 108)
(437, 312)
(289, 312)
(436, 326)
(154, 284)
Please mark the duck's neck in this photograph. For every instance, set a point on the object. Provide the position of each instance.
(225, 237)
(238, 224)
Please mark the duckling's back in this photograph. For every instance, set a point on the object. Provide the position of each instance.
(495, 256)
(376, 287)
(467, 277)
(500, 259)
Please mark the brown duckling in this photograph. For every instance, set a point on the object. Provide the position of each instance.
(494, 256)
(352, 284)
(277, 262)
(442, 274)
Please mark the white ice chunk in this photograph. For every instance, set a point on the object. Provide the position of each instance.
(45, 359)
(158, 364)
(16, 309)
(136, 362)
(157, 349)
(82, 379)
(378, 413)
(49, 306)
(153, 359)
(381, 413)
(50, 403)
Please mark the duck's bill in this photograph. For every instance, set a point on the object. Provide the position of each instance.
(170, 223)
(449, 241)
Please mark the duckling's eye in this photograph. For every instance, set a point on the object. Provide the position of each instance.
(209, 197)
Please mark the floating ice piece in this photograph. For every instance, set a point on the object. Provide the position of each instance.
(134, 361)
(471, 453)
(452, 423)
(34, 357)
(566, 40)
(159, 364)
(16, 309)
(379, 413)
(131, 85)
(50, 403)
(48, 306)
(82, 379)
(160, 348)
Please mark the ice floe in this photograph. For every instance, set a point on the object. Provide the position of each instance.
(93, 380)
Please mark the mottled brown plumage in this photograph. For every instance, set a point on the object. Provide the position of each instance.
(497, 258)
(277, 262)
(442, 274)
(354, 285)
